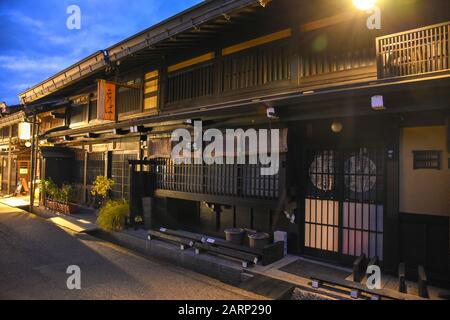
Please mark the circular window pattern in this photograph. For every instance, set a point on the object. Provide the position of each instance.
(360, 174)
(321, 171)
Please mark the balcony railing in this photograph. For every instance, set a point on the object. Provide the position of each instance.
(414, 52)
(238, 181)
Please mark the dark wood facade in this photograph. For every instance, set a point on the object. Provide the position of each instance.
(315, 66)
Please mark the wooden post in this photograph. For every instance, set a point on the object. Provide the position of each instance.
(448, 167)
(9, 160)
(422, 282)
(85, 176)
(391, 246)
(33, 159)
(402, 278)
(131, 194)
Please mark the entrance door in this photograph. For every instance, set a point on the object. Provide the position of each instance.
(344, 202)
(24, 174)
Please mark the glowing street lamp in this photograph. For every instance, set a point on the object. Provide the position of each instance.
(364, 5)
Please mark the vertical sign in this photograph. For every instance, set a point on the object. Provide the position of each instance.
(106, 102)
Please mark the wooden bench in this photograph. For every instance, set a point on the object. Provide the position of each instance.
(182, 242)
(183, 234)
(267, 255)
(244, 257)
(357, 288)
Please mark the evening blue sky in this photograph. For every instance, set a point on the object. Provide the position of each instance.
(35, 42)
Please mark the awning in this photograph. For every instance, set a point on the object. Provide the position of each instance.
(57, 152)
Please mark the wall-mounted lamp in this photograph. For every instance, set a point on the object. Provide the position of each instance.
(271, 113)
(337, 127)
(377, 103)
(364, 5)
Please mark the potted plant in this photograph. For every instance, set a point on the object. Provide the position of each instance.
(57, 199)
(113, 215)
(50, 192)
(101, 189)
(65, 195)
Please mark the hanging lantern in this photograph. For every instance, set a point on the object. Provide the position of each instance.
(24, 131)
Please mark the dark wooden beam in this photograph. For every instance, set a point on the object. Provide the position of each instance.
(120, 132)
(327, 22)
(91, 135)
(58, 115)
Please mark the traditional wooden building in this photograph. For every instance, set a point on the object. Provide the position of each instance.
(364, 114)
(15, 152)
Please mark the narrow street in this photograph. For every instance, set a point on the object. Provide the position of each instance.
(35, 254)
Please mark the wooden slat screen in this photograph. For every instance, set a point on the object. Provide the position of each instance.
(128, 100)
(329, 53)
(191, 83)
(242, 181)
(256, 67)
(151, 90)
(414, 52)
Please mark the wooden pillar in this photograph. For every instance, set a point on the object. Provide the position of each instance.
(33, 159)
(163, 80)
(85, 190)
(132, 194)
(9, 160)
(447, 164)
(391, 241)
(106, 163)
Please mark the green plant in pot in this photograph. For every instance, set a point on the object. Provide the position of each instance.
(113, 215)
(101, 189)
(65, 193)
(49, 190)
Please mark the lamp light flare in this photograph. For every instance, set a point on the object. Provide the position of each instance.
(364, 5)
(337, 127)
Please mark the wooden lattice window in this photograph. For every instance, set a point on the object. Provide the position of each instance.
(430, 159)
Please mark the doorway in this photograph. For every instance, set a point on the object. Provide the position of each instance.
(344, 202)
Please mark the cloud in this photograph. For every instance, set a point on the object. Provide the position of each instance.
(36, 44)
(23, 19)
(30, 65)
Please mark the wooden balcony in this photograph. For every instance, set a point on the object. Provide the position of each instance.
(226, 184)
(275, 68)
(287, 66)
(415, 52)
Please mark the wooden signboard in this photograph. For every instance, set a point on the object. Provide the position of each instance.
(106, 101)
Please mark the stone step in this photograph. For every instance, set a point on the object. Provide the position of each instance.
(269, 287)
